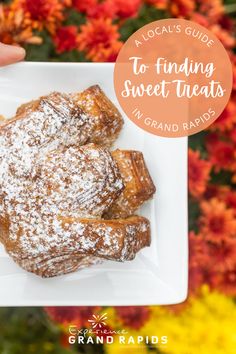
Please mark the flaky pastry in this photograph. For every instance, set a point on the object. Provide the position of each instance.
(66, 201)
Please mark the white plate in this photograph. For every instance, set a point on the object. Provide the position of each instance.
(158, 275)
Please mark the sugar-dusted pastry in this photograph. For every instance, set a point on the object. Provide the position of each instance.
(58, 212)
(138, 184)
(55, 188)
(105, 117)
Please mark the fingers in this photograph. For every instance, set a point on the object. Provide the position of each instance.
(10, 54)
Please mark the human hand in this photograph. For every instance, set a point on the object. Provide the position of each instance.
(10, 54)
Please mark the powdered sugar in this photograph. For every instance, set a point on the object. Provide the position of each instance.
(53, 189)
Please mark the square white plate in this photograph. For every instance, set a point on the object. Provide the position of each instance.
(158, 275)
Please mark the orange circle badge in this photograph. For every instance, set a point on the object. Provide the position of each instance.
(173, 78)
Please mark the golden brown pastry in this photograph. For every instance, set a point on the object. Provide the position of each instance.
(105, 117)
(54, 190)
(2, 119)
(138, 185)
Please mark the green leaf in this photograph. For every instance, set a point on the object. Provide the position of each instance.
(74, 17)
(194, 213)
(40, 52)
(26, 330)
(222, 178)
(72, 56)
(229, 2)
(197, 142)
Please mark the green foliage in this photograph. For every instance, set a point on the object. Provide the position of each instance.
(90, 349)
(46, 52)
(27, 330)
(72, 56)
(40, 52)
(227, 2)
(222, 178)
(194, 213)
(197, 142)
(146, 15)
(74, 17)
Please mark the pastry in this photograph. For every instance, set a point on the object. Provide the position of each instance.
(138, 185)
(56, 185)
(105, 119)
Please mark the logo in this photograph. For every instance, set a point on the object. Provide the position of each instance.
(173, 78)
(99, 332)
(98, 321)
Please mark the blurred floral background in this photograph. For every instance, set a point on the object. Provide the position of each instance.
(94, 30)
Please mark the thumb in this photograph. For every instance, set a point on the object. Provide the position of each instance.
(10, 54)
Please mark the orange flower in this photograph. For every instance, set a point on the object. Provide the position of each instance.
(127, 8)
(212, 9)
(13, 29)
(230, 199)
(39, 14)
(105, 9)
(72, 314)
(224, 255)
(109, 8)
(212, 263)
(159, 4)
(216, 191)
(84, 5)
(99, 39)
(66, 39)
(198, 173)
(217, 222)
(133, 316)
(222, 154)
(182, 8)
(222, 193)
(199, 265)
(227, 119)
(223, 35)
(225, 282)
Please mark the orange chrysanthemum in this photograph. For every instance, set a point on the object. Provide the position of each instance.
(199, 262)
(105, 9)
(66, 39)
(71, 314)
(133, 316)
(227, 119)
(223, 35)
(182, 8)
(13, 29)
(127, 8)
(222, 193)
(217, 222)
(212, 263)
(99, 39)
(230, 199)
(212, 9)
(39, 14)
(159, 4)
(216, 191)
(225, 282)
(84, 5)
(198, 173)
(222, 153)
